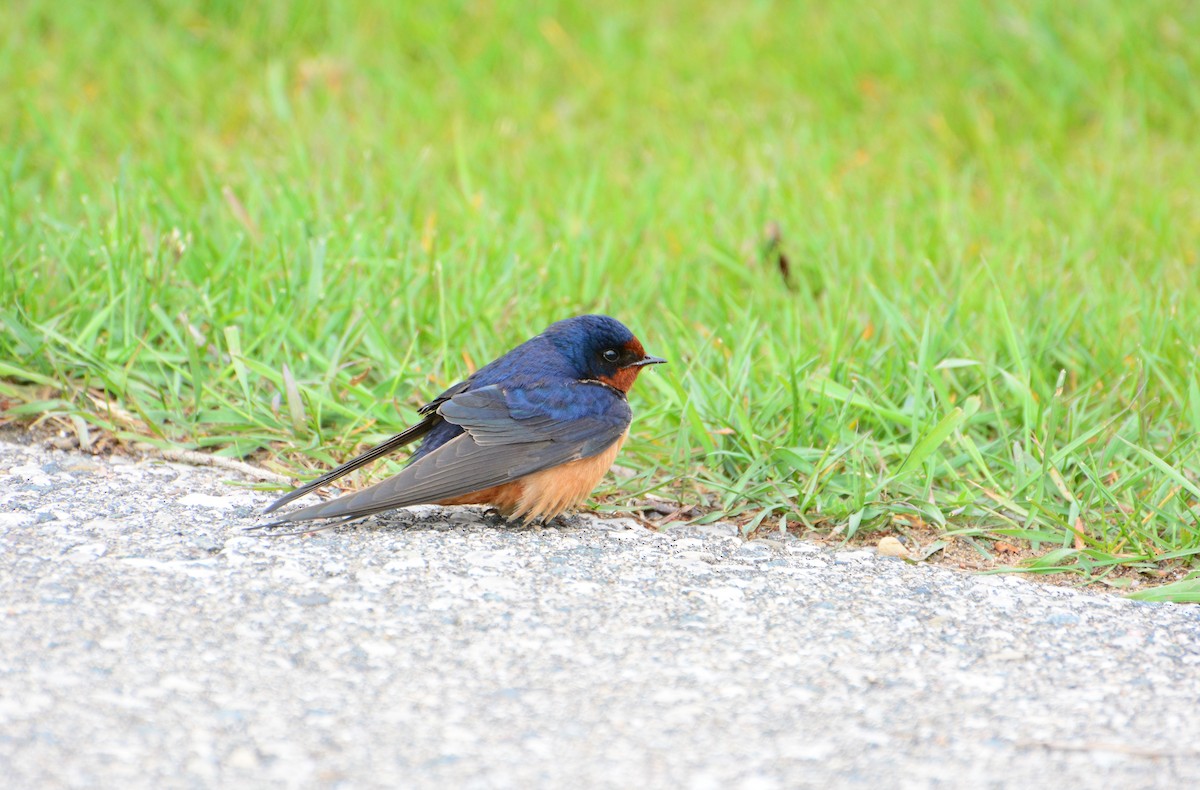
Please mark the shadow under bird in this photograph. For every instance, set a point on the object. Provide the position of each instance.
(531, 433)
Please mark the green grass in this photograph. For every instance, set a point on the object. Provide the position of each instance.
(238, 227)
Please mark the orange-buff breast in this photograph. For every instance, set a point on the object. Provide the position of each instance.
(543, 495)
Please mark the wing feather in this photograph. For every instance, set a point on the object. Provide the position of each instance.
(429, 422)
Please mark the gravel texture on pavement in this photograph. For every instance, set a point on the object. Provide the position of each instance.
(148, 642)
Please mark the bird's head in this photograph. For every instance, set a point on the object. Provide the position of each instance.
(601, 348)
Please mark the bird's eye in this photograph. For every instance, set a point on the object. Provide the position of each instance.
(611, 355)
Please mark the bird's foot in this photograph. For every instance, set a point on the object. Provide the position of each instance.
(494, 518)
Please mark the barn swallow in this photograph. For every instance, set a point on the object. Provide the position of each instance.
(530, 434)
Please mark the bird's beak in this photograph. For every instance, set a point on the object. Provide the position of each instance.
(648, 360)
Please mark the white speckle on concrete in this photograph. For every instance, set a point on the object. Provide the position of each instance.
(210, 501)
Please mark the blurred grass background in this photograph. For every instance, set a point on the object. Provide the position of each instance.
(247, 226)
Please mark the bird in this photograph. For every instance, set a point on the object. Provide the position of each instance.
(530, 434)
